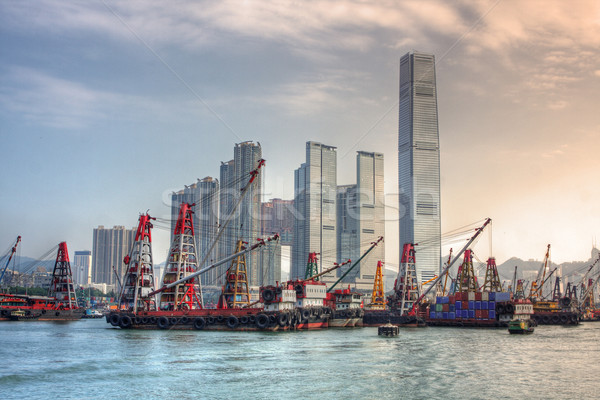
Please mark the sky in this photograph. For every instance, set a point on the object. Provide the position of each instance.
(106, 107)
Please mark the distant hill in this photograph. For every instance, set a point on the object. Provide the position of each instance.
(28, 265)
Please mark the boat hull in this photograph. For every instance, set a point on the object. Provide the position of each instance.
(212, 320)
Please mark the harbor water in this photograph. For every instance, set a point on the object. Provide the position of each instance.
(89, 359)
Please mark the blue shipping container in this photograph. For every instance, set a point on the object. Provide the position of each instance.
(432, 314)
(452, 308)
(492, 296)
(471, 305)
(451, 315)
(471, 313)
(492, 314)
(478, 305)
(445, 299)
(438, 300)
(445, 315)
(458, 305)
(465, 314)
(491, 305)
(502, 296)
(484, 305)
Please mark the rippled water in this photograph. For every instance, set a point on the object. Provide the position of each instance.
(89, 359)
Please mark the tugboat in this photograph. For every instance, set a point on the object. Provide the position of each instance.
(20, 315)
(521, 323)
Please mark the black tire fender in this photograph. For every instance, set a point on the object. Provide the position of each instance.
(199, 323)
(262, 320)
(114, 319)
(125, 322)
(163, 322)
(232, 322)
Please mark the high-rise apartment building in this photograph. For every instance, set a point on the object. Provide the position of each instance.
(245, 224)
(81, 267)
(315, 190)
(278, 217)
(110, 248)
(204, 194)
(419, 161)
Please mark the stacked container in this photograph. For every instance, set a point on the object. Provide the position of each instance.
(468, 305)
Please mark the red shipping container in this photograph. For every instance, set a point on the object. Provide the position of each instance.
(465, 305)
(446, 307)
(452, 298)
(477, 296)
(478, 314)
(485, 314)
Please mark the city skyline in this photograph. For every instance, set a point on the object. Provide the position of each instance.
(107, 108)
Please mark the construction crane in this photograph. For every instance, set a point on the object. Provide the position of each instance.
(478, 231)
(378, 296)
(538, 284)
(12, 253)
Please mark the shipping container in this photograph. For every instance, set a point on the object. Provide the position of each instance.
(502, 296)
(492, 314)
(432, 314)
(451, 307)
(471, 296)
(484, 305)
(465, 314)
(471, 304)
(485, 296)
(491, 305)
(471, 313)
(484, 314)
(458, 305)
(445, 307)
(452, 298)
(478, 314)
(439, 307)
(451, 315)
(478, 305)
(492, 296)
(477, 296)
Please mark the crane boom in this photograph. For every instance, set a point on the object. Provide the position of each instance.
(260, 243)
(375, 243)
(12, 253)
(460, 253)
(253, 174)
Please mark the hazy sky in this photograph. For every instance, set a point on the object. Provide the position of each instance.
(106, 107)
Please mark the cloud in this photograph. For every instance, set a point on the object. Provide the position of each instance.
(558, 105)
(55, 102)
(597, 72)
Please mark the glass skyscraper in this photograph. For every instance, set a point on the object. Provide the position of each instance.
(419, 161)
(361, 220)
(315, 188)
(245, 223)
(204, 194)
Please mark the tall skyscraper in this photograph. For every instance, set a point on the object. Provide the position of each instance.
(361, 217)
(277, 216)
(205, 195)
(82, 267)
(245, 224)
(419, 161)
(371, 211)
(110, 248)
(315, 190)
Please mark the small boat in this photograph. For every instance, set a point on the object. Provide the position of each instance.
(388, 330)
(20, 315)
(520, 326)
(521, 322)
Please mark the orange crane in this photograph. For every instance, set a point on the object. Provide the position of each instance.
(378, 297)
